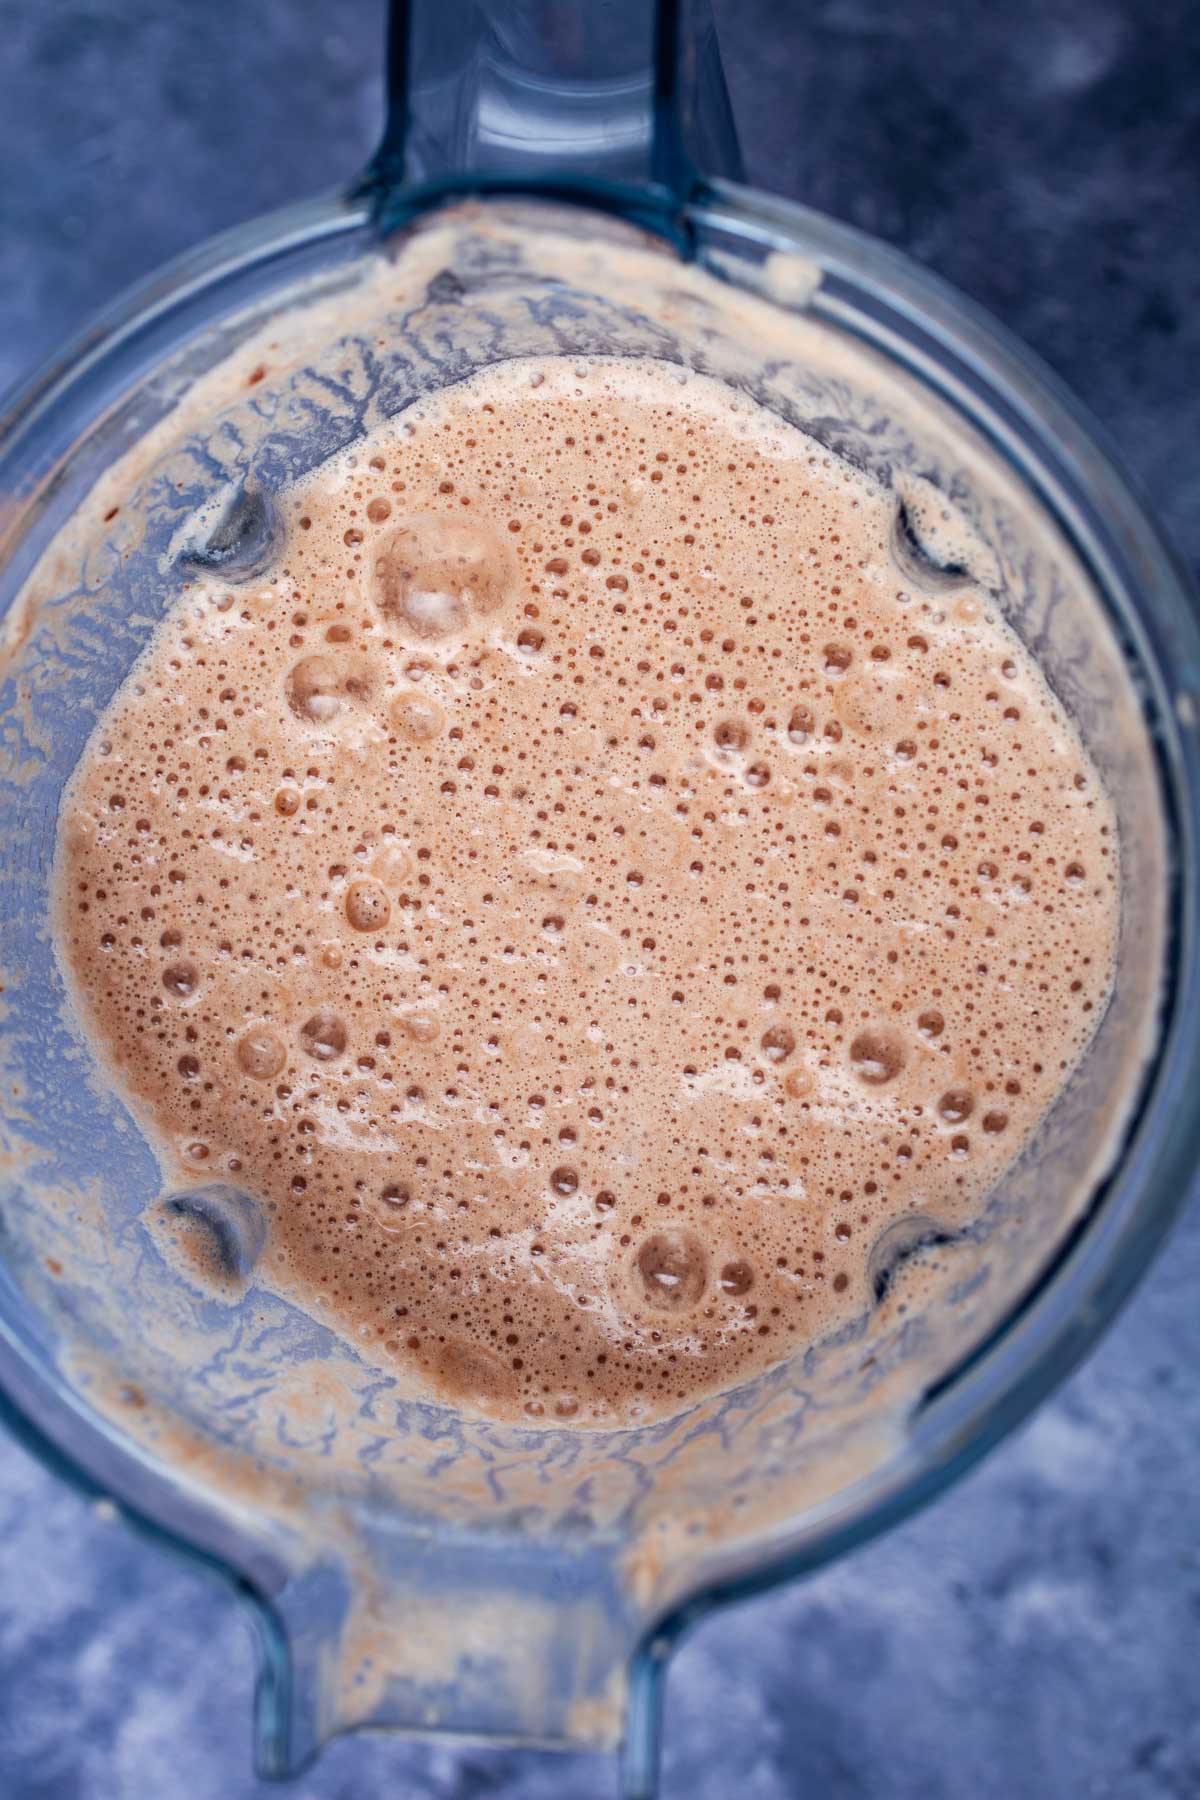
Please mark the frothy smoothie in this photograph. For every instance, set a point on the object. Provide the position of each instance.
(585, 891)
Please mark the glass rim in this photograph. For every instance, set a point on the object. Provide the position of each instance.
(1047, 438)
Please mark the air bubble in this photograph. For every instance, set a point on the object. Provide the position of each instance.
(737, 1278)
(367, 906)
(180, 979)
(801, 725)
(324, 1036)
(731, 735)
(393, 866)
(956, 1104)
(417, 716)
(877, 1055)
(778, 1042)
(391, 1204)
(320, 687)
(421, 1027)
(261, 1054)
(673, 1269)
(434, 576)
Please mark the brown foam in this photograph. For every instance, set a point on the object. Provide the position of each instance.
(588, 892)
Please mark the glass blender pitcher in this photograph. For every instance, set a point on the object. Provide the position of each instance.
(554, 180)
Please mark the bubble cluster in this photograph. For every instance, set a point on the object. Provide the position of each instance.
(586, 893)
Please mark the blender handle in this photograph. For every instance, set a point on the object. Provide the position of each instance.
(616, 103)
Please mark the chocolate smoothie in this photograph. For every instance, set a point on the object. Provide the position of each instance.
(586, 891)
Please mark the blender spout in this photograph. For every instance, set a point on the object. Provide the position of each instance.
(420, 1629)
(623, 105)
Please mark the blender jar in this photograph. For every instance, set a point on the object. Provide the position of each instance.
(539, 191)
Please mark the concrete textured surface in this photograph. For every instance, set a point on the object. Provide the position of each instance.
(1036, 1634)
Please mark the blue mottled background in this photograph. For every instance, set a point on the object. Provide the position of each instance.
(1036, 1635)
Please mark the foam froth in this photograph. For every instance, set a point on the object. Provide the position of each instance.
(587, 891)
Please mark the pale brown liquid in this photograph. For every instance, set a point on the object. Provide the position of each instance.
(586, 893)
